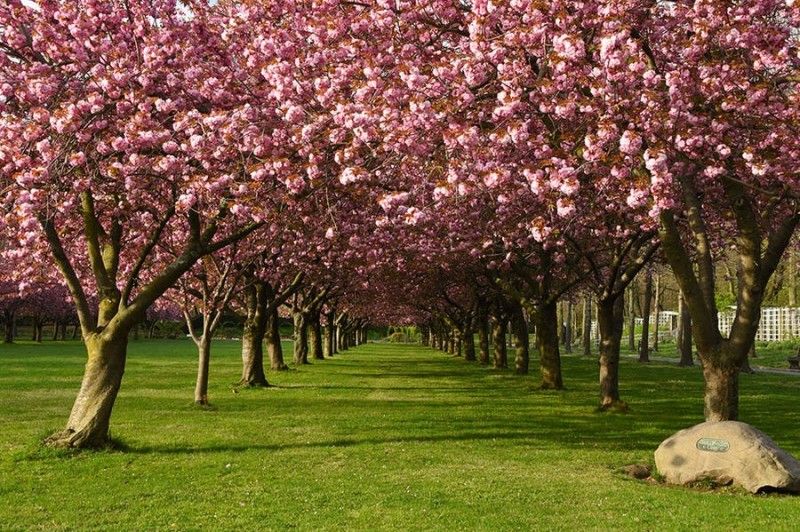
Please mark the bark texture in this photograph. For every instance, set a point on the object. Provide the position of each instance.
(499, 343)
(546, 318)
(721, 396)
(610, 313)
(89, 420)
(315, 337)
(255, 325)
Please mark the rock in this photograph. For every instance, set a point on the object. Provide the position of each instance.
(725, 452)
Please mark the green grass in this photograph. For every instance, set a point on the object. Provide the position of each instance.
(768, 354)
(381, 437)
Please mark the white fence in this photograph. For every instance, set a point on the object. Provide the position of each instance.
(777, 324)
(666, 318)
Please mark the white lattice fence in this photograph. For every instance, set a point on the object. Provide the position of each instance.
(776, 324)
(666, 318)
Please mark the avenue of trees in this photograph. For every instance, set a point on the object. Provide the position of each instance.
(458, 166)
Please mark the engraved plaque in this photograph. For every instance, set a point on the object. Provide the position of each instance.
(713, 445)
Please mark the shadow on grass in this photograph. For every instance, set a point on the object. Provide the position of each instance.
(534, 438)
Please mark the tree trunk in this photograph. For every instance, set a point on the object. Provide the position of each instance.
(499, 327)
(568, 328)
(721, 397)
(519, 329)
(751, 353)
(89, 420)
(483, 335)
(253, 353)
(329, 335)
(644, 344)
(55, 330)
(469, 343)
(9, 319)
(274, 347)
(315, 334)
(657, 304)
(300, 334)
(793, 275)
(340, 337)
(684, 339)
(203, 360)
(610, 321)
(546, 317)
(587, 326)
(632, 295)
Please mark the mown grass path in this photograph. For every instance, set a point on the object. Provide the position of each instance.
(381, 437)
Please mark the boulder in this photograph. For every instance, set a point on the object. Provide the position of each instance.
(727, 452)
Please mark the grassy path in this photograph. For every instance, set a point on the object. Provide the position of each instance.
(382, 437)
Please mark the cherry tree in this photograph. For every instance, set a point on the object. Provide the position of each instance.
(717, 112)
(204, 293)
(121, 123)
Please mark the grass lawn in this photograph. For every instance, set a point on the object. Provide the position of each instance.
(768, 354)
(381, 437)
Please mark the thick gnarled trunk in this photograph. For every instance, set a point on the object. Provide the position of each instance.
(610, 314)
(91, 413)
(546, 317)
